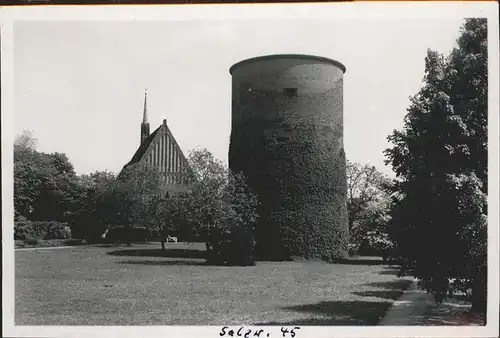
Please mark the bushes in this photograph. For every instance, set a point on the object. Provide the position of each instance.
(75, 241)
(353, 249)
(221, 210)
(375, 243)
(231, 247)
(232, 241)
(40, 230)
(126, 234)
(31, 242)
(23, 230)
(90, 230)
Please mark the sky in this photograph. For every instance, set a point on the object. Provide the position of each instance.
(79, 86)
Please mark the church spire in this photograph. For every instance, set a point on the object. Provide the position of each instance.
(145, 123)
(145, 112)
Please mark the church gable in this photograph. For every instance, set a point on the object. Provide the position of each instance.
(143, 148)
(160, 150)
(164, 153)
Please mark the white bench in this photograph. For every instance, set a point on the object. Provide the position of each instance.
(171, 239)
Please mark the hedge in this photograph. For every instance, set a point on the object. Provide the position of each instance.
(41, 230)
(231, 247)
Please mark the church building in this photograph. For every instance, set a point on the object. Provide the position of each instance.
(160, 149)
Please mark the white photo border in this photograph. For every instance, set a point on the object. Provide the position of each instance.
(312, 11)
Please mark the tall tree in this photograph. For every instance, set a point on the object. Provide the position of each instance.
(128, 199)
(59, 192)
(365, 185)
(440, 158)
(221, 209)
(91, 216)
(45, 185)
(207, 188)
(168, 211)
(368, 205)
(26, 164)
(26, 140)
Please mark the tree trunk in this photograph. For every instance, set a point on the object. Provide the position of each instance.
(129, 235)
(210, 255)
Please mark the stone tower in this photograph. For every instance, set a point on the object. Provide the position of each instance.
(287, 138)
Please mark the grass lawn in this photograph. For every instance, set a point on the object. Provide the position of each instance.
(119, 285)
(47, 243)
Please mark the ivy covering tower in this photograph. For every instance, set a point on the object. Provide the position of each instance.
(287, 138)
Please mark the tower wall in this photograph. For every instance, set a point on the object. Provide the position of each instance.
(287, 138)
(144, 131)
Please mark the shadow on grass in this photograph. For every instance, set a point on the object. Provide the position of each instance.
(462, 297)
(110, 245)
(360, 261)
(387, 294)
(338, 313)
(391, 270)
(402, 284)
(173, 253)
(163, 263)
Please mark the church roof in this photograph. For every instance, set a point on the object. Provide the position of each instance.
(143, 147)
(156, 139)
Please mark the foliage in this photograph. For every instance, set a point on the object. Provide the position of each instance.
(353, 249)
(92, 215)
(40, 230)
(440, 158)
(207, 191)
(132, 192)
(23, 230)
(126, 201)
(364, 185)
(75, 241)
(47, 189)
(368, 202)
(169, 213)
(217, 208)
(295, 163)
(221, 210)
(31, 241)
(375, 243)
(118, 234)
(26, 140)
(238, 223)
(45, 185)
